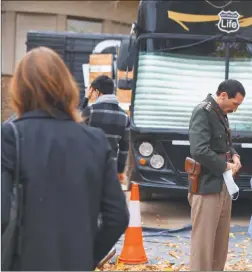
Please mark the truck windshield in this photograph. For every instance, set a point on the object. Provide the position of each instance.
(171, 83)
(240, 68)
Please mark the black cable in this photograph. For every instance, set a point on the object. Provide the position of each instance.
(192, 44)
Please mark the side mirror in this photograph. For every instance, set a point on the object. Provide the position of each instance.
(125, 83)
(125, 61)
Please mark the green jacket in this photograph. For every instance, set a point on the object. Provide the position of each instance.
(208, 138)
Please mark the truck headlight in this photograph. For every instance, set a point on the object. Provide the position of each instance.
(157, 161)
(145, 149)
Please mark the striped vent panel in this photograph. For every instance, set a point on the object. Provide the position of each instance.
(168, 87)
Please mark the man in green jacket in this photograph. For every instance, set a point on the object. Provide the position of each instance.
(211, 146)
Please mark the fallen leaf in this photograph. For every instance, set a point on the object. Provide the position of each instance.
(174, 254)
(172, 245)
(231, 235)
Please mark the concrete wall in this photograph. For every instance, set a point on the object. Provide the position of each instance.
(6, 110)
(122, 11)
(20, 16)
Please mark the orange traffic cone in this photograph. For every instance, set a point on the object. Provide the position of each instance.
(133, 250)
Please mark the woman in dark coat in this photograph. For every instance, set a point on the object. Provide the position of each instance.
(66, 168)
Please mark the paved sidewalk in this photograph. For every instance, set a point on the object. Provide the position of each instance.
(173, 246)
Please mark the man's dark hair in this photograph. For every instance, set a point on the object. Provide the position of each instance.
(103, 84)
(231, 87)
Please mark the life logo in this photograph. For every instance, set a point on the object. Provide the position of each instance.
(229, 21)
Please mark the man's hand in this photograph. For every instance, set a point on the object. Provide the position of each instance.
(121, 177)
(89, 92)
(237, 162)
(231, 166)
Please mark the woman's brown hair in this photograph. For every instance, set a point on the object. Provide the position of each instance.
(42, 81)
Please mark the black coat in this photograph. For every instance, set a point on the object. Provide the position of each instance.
(114, 122)
(69, 179)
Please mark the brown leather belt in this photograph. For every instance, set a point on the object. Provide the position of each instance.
(227, 156)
